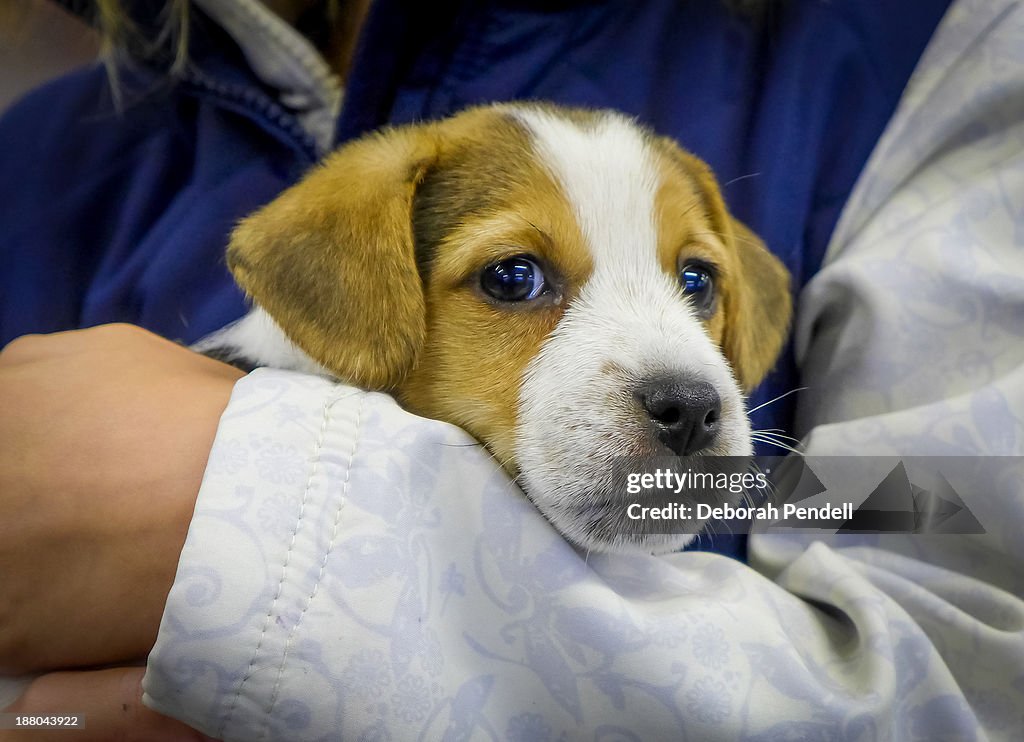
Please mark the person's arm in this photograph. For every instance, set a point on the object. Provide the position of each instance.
(83, 523)
(910, 337)
(353, 569)
(107, 702)
(392, 580)
(104, 436)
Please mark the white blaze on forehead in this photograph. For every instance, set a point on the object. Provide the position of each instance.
(609, 176)
(630, 311)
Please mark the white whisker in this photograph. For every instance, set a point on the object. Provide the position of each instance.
(728, 183)
(775, 433)
(778, 444)
(776, 399)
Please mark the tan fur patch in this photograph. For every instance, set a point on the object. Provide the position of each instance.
(489, 200)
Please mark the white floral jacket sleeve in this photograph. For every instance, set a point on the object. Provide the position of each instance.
(355, 572)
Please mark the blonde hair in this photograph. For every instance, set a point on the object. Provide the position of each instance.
(121, 39)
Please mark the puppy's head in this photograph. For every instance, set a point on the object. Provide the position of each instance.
(561, 283)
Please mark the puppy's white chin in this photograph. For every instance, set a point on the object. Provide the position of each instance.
(582, 489)
(592, 508)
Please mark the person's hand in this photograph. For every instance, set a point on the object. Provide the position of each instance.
(104, 437)
(109, 703)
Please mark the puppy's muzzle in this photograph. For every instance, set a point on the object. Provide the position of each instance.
(684, 413)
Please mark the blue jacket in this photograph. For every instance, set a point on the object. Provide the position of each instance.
(108, 216)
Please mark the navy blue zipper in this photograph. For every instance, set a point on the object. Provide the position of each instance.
(245, 100)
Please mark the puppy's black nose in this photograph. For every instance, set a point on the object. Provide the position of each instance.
(684, 413)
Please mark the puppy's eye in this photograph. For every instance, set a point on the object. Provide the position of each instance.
(699, 284)
(518, 278)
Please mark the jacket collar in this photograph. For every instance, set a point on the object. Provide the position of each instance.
(276, 57)
(284, 61)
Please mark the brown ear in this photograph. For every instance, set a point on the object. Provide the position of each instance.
(758, 308)
(332, 258)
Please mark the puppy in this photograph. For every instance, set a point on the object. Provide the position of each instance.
(562, 283)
